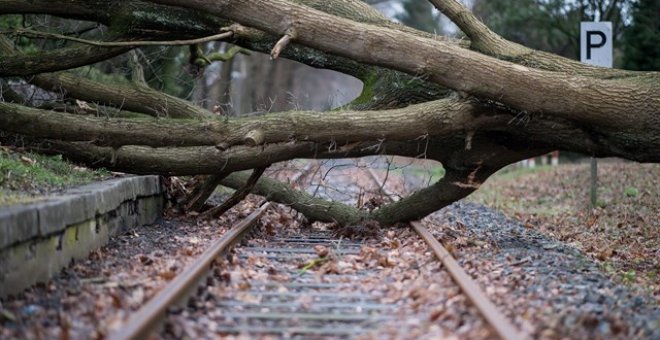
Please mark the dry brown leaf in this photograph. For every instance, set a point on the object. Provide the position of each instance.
(248, 298)
(321, 250)
(116, 300)
(605, 254)
(167, 275)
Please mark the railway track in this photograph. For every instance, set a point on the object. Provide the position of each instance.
(294, 284)
(502, 326)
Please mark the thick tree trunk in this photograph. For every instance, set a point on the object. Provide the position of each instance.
(586, 100)
(478, 105)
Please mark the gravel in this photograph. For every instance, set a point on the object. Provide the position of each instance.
(548, 288)
(91, 298)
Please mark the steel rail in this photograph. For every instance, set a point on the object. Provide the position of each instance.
(502, 326)
(147, 318)
(488, 310)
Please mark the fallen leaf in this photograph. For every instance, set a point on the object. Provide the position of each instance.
(167, 275)
(437, 313)
(321, 250)
(248, 298)
(605, 254)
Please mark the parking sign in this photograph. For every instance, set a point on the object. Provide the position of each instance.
(596, 43)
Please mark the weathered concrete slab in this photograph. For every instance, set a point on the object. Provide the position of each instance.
(37, 240)
(23, 222)
(18, 223)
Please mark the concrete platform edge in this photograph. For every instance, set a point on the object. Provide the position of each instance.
(37, 240)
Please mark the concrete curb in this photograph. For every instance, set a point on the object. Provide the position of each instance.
(37, 240)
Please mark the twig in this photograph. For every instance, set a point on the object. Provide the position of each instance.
(282, 43)
(201, 193)
(311, 264)
(238, 195)
(48, 35)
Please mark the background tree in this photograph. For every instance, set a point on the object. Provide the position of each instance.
(419, 14)
(642, 40)
(550, 25)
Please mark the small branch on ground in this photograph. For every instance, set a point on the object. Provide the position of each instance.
(201, 193)
(238, 196)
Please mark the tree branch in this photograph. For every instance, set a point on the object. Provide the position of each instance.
(282, 44)
(482, 38)
(49, 35)
(140, 98)
(437, 118)
(131, 97)
(236, 197)
(314, 208)
(15, 64)
(202, 192)
(154, 19)
(205, 60)
(581, 99)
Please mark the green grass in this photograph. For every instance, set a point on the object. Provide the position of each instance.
(491, 195)
(513, 172)
(26, 176)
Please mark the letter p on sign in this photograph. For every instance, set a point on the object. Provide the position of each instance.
(596, 43)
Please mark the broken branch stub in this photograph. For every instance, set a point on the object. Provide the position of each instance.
(282, 43)
(254, 137)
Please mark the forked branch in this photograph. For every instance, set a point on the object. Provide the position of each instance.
(237, 196)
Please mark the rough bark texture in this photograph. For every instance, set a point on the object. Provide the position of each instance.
(474, 105)
(237, 196)
(590, 101)
(201, 193)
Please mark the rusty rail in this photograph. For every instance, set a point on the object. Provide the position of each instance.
(143, 322)
(503, 327)
(147, 318)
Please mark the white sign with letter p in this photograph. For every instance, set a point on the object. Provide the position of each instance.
(596, 43)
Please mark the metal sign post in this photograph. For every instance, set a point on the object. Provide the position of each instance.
(596, 49)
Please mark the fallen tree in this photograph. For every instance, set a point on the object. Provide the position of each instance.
(474, 105)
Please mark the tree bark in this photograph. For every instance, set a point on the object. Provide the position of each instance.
(586, 100)
(64, 59)
(237, 196)
(474, 105)
(202, 193)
